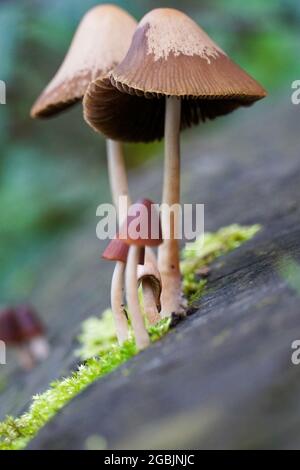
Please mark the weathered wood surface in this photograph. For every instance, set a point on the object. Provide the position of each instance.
(224, 377)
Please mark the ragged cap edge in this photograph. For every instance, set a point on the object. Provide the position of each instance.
(131, 117)
(61, 98)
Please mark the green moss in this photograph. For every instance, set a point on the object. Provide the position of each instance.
(207, 249)
(97, 336)
(290, 271)
(16, 433)
(100, 350)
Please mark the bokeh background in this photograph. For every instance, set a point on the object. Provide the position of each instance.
(53, 173)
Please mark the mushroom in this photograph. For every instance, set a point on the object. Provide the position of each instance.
(173, 76)
(17, 331)
(142, 228)
(101, 42)
(10, 334)
(117, 251)
(32, 332)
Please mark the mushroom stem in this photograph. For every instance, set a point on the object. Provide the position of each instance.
(150, 280)
(39, 348)
(26, 359)
(119, 188)
(150, 306)
(168, 252)
(118, 177)
(137, 321)
(117, 303)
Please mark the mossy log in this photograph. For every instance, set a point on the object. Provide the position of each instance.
(224, 377)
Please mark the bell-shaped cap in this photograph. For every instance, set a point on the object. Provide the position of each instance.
(142, 226)
(117, 250)
(28, 322)
(100, 43)
(170, 55)
(9, 330)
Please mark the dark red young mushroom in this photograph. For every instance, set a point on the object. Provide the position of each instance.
(12, 333)
(141, 229)
(9, 331)
(117, 251)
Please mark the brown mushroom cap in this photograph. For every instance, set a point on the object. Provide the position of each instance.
(101, 42)
(28, 323)
(9, 330)
(117, 250)
(142, 226)
(170, 55)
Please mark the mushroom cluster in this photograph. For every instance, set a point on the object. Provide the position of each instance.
(139, 83)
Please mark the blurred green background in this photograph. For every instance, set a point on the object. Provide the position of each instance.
(53, 173)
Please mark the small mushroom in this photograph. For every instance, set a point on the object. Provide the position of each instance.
(32, 332)
(150, 280)
(100, 43)
(11, 334)
(141, 229)
(117, 251)
(173, 76)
